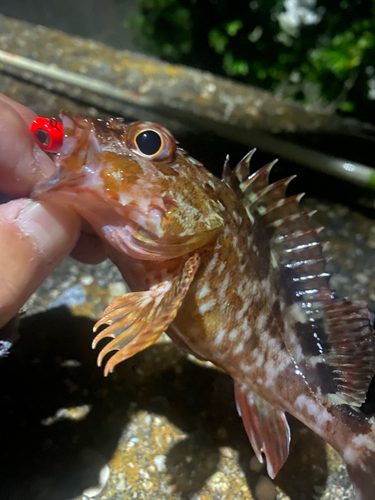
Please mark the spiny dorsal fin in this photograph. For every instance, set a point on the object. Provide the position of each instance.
(257, 181)
(331, 341)
(241, 171)
(227, 173)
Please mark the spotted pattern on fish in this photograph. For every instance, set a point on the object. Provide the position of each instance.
(234, 273)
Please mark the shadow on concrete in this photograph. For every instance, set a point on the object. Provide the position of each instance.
(59, 461)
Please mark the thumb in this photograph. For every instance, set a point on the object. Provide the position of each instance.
(34, 238)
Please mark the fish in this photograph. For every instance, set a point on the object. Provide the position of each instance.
(233, 272)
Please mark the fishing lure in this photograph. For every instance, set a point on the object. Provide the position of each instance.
(48, 133)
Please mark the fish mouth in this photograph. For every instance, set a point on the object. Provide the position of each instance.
(123, 232)
(142, 244)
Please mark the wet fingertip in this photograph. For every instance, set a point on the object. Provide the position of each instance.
(24, 112)
(53, 231)
(34, 239)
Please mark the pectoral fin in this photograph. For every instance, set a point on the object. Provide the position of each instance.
(266, 427)
(136, 320)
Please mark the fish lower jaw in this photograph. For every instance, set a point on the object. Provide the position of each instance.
(134, 243)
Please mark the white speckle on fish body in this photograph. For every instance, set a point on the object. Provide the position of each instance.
(237, 217)
(261, 321)
(250, 215)
(242, 267)
(234, 334)
(239, 348)
(299, 313)
(125, 198)
(205, 290)
(320, 414)
(240, 314)
(274, 260)
(224, 287)
(213, 262)
(226, 231)
(220, 336)
(220, 268)
(116, 175)
(245, 368)
(259, 358)
(336, 399)
(314, 360)
(298, 352)
(241, 288)
(206, 306)
(362, 440)
(246, 329)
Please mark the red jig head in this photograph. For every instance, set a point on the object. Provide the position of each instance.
(48, 132)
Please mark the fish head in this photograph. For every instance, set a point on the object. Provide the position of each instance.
(134, 186)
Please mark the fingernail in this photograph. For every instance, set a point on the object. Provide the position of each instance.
(47, 229)
(45, 166)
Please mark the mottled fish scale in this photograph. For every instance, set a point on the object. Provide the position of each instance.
(234, 273)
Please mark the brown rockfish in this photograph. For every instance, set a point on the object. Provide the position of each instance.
(232, 272)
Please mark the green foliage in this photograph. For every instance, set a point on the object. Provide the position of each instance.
(325, 54)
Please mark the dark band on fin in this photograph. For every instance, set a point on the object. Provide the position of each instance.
(331, 341)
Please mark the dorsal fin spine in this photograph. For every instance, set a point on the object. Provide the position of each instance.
(291, 218)
(311, 277)
(309, 262)
(309, 232)
(261, 173)
(267, 191)
(303, 247)
(242, 169)
(285, 201)
(226, 175)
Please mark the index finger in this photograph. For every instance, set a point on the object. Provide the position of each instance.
(22, 162)
(26, 113)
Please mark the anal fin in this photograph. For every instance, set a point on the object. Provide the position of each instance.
(136, 320)
(266, 427)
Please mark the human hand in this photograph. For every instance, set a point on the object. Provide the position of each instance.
(34, 236)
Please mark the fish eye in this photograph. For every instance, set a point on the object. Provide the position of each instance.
(149, 142)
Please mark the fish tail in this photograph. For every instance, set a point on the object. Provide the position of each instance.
(359, 457)
(362, 475)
